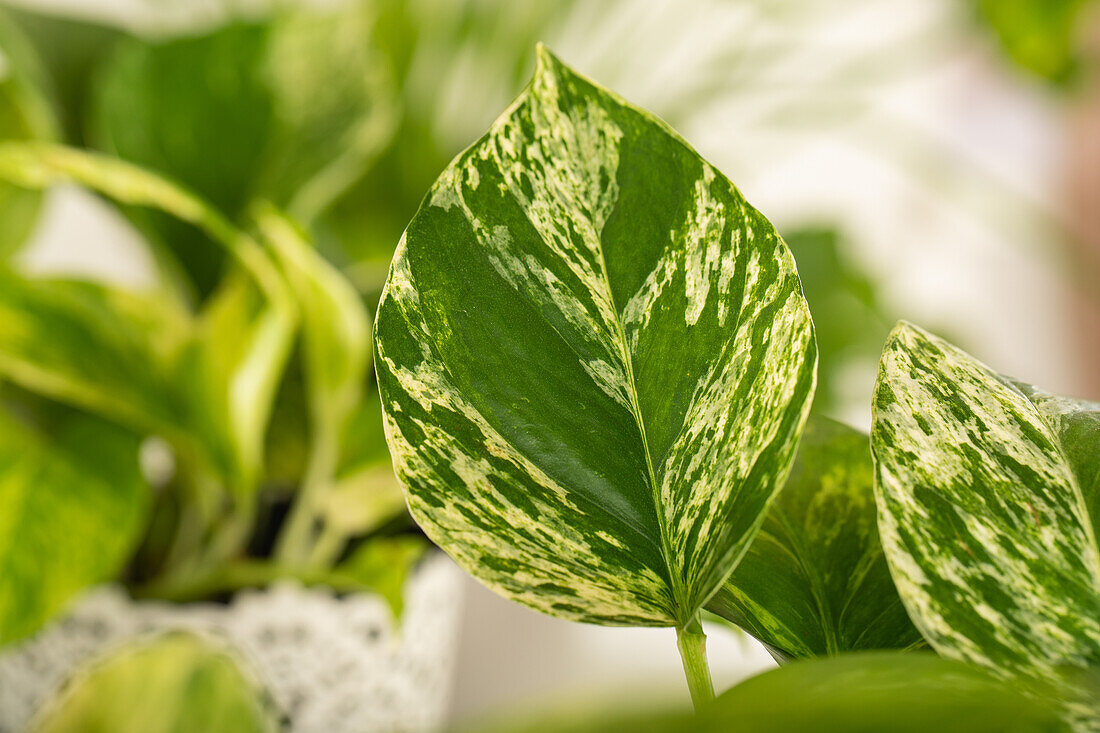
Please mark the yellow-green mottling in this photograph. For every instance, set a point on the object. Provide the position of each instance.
(814, 582)
(982, 485)
(594, 360)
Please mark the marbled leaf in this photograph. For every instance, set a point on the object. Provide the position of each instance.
(814, 581)
(595, 360)
(982, 486)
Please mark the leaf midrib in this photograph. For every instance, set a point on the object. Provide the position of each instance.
(678, 593)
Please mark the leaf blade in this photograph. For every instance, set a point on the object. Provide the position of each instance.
(986, 531)
(814, 581)
(551, 243)
(75, 502)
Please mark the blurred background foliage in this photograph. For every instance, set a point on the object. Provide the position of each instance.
(342, 116)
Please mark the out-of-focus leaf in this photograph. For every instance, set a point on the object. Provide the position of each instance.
(849, 318)
(875, 692)
(336, 352)
(595, 361)
(1042, 36)
(292, 109)
(232, 355)
(814, 582)
(366, 493)
(230, 374)
(982, 490)
(173, 684)
(382, 565)
(379, 565)
(25, 112)
(100, 348)
(336, 329)
(74, 502)
(869, 692)
(70, 50)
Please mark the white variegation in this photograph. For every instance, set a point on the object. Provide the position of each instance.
(533, 200)
(982, 519)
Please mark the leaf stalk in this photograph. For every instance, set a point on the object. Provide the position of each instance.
(692, 643)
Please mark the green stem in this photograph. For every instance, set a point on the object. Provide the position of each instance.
(228, 577)
(692, 643)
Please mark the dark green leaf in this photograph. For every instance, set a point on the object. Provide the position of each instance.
(595, 361)
(814, 581)
(292, 109)
(24, 113)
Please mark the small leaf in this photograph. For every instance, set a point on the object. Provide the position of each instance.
(594, 360)
(336, 329)
(231, 372)
(982, 512)
(173, 684)
(74, 503)
(815, 581)
(381, 565)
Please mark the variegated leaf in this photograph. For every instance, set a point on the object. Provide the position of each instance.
(981, 492)
(336, 335)
(176, 683)
(225, 365)
(814, 581)
(595, 360)
(74, 505)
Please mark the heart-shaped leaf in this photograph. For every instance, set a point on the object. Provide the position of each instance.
(173, 684)
(74, 504)
(814, 581)
(594, 359)
(982, 489)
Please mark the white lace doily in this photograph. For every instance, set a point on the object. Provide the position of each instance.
(329, 664)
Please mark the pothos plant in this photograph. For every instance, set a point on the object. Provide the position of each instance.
(92, 372)
(596, 364)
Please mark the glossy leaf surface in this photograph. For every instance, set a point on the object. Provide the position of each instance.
(74, 503)
(595, 360)
(173, 684)
(982, 489)
(814, 582)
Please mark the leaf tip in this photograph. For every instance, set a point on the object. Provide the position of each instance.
(546, 62)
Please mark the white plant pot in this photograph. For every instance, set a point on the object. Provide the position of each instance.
(330, 664)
